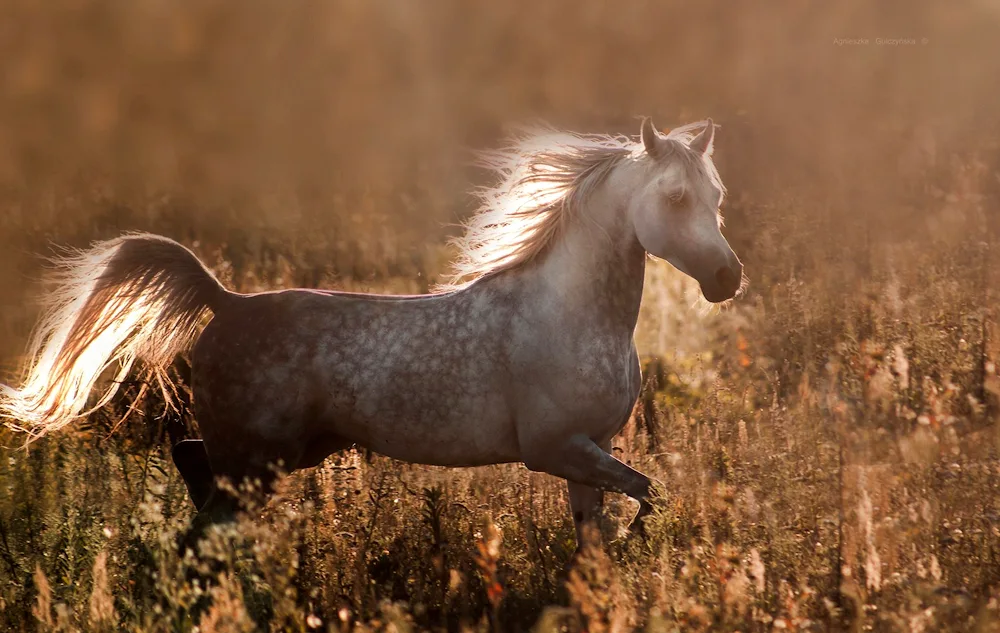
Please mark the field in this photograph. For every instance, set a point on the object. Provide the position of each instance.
(828, 443)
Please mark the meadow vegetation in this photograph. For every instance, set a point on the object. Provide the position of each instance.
(828, 444)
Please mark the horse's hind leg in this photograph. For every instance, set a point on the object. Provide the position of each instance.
(223, 503)
(191, 460)
(201, 474)
(212, 504)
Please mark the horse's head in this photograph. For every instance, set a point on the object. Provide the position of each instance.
(675, 212)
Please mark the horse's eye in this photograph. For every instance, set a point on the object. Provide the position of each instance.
(676, 197)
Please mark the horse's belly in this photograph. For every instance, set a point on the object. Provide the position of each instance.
(456, 429)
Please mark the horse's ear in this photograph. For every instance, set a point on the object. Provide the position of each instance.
(703, 142)
(650, 139)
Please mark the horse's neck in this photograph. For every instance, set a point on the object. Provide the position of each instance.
(595, 271)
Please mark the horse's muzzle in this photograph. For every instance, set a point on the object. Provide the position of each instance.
(725, 284)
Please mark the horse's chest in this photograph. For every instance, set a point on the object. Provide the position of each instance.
(608, 381)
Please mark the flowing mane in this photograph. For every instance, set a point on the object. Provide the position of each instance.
(544, 176)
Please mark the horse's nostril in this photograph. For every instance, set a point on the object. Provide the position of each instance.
(726, 278)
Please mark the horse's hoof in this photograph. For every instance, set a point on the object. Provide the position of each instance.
(637, 528)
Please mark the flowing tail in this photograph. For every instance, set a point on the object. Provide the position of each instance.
(138, 296)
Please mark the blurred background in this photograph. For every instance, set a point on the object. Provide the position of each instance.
(325, 143)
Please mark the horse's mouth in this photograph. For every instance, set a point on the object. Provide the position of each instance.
(717, 294)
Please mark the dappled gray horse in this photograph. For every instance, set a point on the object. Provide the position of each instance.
(527, 356)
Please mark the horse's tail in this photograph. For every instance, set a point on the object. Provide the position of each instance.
(139, 296)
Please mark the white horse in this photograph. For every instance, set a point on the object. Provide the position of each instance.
(527, 356)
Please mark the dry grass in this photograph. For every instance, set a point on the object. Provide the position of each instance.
(828, 445)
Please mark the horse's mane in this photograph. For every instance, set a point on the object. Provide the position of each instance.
(544, 177)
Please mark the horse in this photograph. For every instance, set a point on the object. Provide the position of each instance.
(525, 354)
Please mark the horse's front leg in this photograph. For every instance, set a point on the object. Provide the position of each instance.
(589, 468)
(587, 505)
